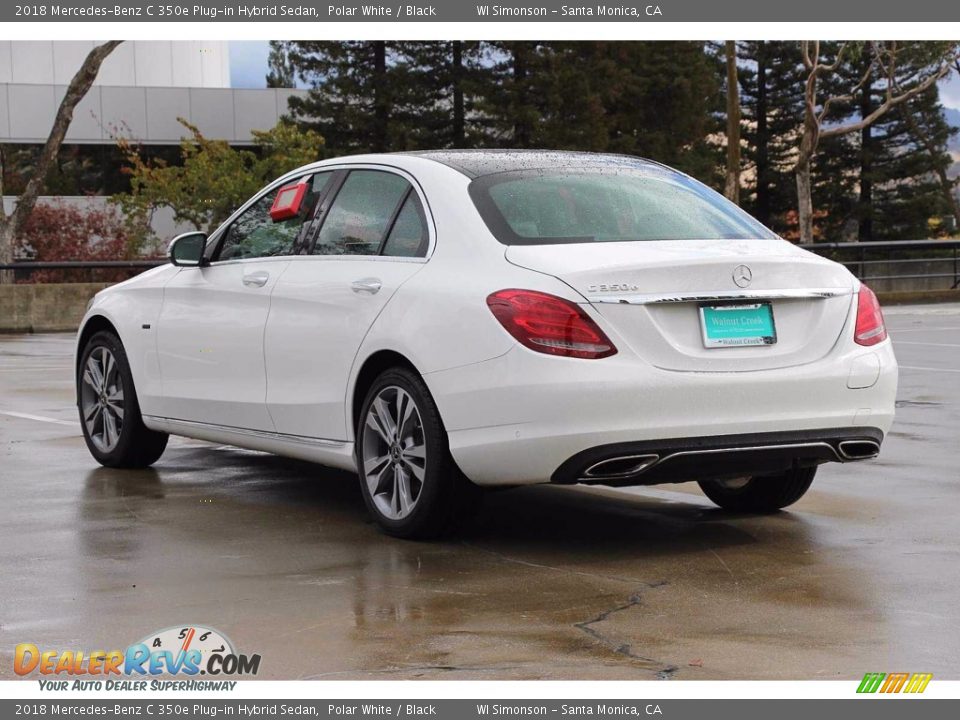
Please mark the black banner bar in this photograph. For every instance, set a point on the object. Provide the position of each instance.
(483, 11)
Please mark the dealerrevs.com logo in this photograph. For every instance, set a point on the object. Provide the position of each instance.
(190, 651)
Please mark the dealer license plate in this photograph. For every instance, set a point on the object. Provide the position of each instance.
(739, 325)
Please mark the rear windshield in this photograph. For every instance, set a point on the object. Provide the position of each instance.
(605, 205)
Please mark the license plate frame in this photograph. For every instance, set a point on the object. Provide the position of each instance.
(748, 324)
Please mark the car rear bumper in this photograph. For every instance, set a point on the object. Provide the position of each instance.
(722, 456)
(523, 417)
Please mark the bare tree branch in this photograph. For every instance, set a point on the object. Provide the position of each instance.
(884, 62)
(11, 226)
(891, 102)
(848, 97)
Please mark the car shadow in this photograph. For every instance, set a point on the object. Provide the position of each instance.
(257, 488)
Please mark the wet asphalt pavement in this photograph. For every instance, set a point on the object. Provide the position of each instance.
(553, 583)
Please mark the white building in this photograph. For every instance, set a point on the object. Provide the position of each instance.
(141, 90)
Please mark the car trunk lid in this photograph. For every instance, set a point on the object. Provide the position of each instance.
(651, 294)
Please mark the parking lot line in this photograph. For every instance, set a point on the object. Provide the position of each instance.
(929, 369)
(906, 342)
(39, 418)
(897, 331)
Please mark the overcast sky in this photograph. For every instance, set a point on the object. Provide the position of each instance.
(248, 69)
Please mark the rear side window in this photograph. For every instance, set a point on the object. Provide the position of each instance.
(602, 205)
(361, 213)
(408, 236)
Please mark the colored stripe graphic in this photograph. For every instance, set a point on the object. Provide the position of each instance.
(870, 682)
(894, 683)
(918, 682)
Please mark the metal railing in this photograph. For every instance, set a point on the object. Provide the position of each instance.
(865, 258)
(79, 270)
(934, 259)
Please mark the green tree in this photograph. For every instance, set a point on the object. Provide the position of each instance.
(898, 71)
(659, 100)
(281, 71)
(908, 180)
(358, 99)
(509, 98)
(665, 102)
(212, 178)
(442, 80)
(772, 107)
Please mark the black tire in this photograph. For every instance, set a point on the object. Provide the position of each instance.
(445, 498)
(132, 445)
(761, 494)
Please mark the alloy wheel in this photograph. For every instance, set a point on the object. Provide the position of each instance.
(393, 452)
(734, 483)
(101, 399)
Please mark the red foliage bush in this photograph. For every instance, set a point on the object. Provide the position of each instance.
(59, 231)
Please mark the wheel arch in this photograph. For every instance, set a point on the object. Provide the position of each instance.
(93, 325)
(371, 368)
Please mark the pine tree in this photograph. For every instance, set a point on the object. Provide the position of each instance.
(443, 79)
(901, 160)
(664, 101)
(658, 100)
(358, 99)
(772, 106)
(282, 73)
(908, 173)
(510, 94)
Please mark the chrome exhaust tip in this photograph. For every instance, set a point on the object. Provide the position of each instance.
(858, 449)
(618, 468)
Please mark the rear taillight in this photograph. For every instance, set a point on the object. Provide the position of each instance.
(549, 324)
(870, 328)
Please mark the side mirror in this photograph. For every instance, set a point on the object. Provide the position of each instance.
(186, 250)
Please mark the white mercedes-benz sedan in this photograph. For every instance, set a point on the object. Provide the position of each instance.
(445, 321)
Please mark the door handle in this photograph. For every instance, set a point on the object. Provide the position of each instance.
(366, 285)
(256, 279)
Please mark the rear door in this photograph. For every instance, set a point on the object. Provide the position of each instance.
(210, 330)
(373, 236)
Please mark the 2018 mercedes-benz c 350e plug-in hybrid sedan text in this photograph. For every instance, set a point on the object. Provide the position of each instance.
(445, 321)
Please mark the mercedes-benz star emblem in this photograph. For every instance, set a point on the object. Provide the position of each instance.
(742, 276)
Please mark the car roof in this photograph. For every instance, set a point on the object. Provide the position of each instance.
(477, 163)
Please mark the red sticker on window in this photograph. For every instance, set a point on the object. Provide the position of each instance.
(287, 203)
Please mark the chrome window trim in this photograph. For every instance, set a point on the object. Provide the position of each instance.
(314, 170)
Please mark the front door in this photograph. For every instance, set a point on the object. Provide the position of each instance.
(211, 326)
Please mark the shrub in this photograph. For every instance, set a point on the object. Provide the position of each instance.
(57, 231)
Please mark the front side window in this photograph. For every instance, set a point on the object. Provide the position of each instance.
(606, 205)
(361, 213)
(254, 233)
